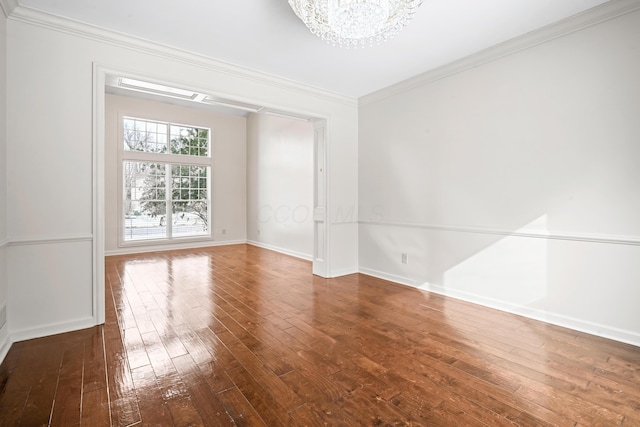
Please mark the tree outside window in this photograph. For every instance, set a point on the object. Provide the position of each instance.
(165, 199)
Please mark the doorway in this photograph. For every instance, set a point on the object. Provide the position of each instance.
(106, 78)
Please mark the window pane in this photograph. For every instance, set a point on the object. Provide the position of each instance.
(151, 137)
(190, 201)
(145, 205)
(189, 141)
(144, 135)
(139, 125)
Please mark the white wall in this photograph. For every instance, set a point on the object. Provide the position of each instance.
(543, 142)
(228, 177)
(280, 184)
(4, 327)
(51, 65)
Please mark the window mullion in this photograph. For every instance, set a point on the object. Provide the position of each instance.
(187, 160)
(168, 190)
(166, 158)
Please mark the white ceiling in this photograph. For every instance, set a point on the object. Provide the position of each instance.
(266, 35)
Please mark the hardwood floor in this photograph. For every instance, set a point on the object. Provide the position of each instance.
(238, 335)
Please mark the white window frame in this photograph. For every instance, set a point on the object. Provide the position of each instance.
(169, 160)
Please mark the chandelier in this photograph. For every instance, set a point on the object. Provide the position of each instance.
(353, 23)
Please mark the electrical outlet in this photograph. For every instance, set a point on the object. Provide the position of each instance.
(405, 259)
(224, 231)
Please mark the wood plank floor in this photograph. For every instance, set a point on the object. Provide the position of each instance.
(238, 335)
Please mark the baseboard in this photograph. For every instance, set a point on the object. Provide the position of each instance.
(333, 273)
(158, 248)
(621, 335)
(568, 322)
(5, 342)
(343, 272)
(390, 277)
(52, 329)
(281, 250)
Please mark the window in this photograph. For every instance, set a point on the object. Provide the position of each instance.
(166, 171)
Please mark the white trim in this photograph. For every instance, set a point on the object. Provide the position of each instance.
(50, 240)
(281, 250)
(170, 247)
(343, 272)
(594, 16)
(573, 323)
(321, 254)
(139, 156)
(77, 28)
(5, 342)
(187, 241)
(576, 237)
(98, 193)
(8, 6)
(52, 329)
(390, 277)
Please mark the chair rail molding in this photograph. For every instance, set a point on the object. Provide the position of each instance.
(50, 240)
(577, 237)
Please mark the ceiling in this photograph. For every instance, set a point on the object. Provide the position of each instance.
(266, 35)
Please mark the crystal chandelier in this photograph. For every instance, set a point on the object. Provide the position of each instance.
(355, 22)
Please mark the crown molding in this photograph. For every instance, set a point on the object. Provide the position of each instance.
(602, 13)
(77, 28)
(8, 6)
